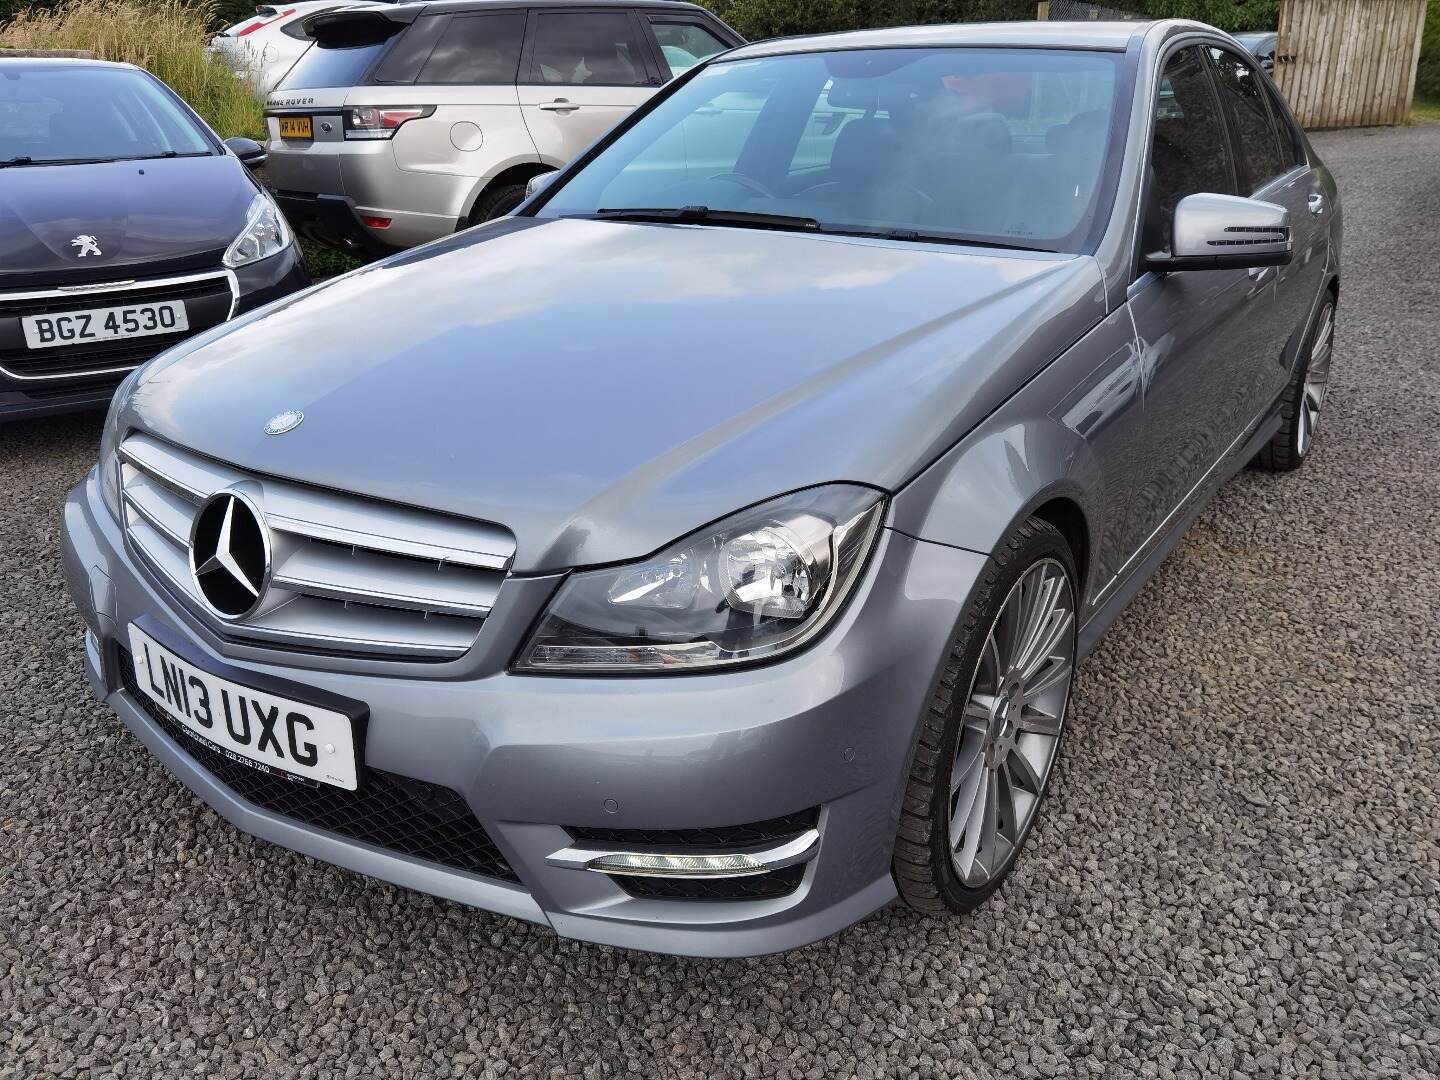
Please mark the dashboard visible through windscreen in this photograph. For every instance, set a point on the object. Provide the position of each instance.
(999, 145)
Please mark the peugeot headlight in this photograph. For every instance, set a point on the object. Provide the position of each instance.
(754, 586)
(265, 234)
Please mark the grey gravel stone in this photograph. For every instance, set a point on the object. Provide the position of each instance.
(1235, 876)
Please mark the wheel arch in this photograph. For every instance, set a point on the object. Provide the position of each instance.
(518, 173)
(978, 493)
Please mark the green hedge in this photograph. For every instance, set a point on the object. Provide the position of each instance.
(1427, 78)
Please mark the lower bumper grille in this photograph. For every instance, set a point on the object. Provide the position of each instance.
(769, 886)
(397, 813)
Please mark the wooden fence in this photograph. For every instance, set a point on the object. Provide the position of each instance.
(1349, 63)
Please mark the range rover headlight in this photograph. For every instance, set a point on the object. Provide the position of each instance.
(757, 585)
(265, 234)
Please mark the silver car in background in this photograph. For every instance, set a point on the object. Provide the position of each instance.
(700, 559)
(405, 123)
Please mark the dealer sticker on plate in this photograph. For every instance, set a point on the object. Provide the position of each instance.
(246, 724)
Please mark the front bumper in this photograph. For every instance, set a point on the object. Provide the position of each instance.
(253, 286)
(536, 757)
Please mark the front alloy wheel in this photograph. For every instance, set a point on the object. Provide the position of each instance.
(991, 736)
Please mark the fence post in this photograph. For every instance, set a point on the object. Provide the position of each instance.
(1042, 11)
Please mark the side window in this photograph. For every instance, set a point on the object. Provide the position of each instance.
(479, 50)
(589, 48)
(1249, 112)
(684, 44)
(1292, 147)
(411, 49)
(1190, 153)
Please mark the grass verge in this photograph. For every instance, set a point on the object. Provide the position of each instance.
(168, 38)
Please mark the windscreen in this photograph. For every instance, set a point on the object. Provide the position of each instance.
(63, 113)
(996, 145)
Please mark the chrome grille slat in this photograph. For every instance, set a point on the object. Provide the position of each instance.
(348, 575)
(159, 505)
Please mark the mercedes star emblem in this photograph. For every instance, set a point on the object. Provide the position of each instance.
(230, 554)
(280, 423)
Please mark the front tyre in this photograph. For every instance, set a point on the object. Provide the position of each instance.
(1304, 397)
(991, 735)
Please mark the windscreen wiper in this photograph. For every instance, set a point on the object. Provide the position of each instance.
(27, 160)
(914, 236)
(744, 219)
(167, 154)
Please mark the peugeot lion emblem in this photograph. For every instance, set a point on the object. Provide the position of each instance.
(88, 245)
(230, 555)
(280, 423)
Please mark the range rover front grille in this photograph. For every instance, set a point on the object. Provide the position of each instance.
(350, 576)
(209, 300)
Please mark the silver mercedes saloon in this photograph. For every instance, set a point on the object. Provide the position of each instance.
(699, 559)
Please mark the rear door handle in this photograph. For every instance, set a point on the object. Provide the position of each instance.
(560, 105)
(1317, 203)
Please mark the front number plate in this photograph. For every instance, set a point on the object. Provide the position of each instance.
(272, 733)
(103, 324)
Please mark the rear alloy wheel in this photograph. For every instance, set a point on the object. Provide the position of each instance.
(497, 203)
(992, 734)
(1304, 398)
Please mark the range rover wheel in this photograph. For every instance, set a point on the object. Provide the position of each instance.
(497, 202)
(992, 733)
(1304, 397)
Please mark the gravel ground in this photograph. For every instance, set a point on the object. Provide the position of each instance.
(1235, 876)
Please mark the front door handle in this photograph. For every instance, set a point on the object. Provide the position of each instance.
(560, 105)
(1317, 203)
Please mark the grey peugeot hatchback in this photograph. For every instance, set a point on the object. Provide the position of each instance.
(699, 559)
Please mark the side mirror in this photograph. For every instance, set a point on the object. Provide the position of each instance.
(538, 183)
(1225, 232)
(251, 154)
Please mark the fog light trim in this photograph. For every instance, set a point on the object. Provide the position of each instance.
(688, 864)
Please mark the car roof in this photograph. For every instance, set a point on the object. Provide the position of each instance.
(1074, 35)
(470, 5)
(16, 61)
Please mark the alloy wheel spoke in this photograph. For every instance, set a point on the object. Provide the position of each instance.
(1045, 651)
(1055, 672)
(1037, 617)
(969, 759)
(1037, 721)
(1022, 772)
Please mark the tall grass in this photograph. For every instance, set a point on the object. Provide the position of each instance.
(166, 37)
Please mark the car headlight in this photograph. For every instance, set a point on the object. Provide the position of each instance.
(265, 234)
(109, 466)
(755, 586)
